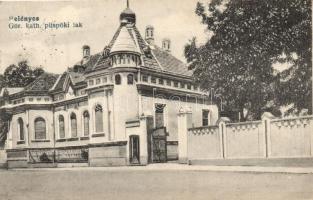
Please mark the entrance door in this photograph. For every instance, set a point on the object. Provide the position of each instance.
(159, 150)
(134, 153)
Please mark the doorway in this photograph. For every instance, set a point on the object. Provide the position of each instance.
(134, 149)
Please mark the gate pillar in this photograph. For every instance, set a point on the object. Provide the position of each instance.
(184, 123)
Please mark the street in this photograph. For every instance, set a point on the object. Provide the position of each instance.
(102, 183)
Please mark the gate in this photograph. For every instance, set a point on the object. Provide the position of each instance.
(159, 150)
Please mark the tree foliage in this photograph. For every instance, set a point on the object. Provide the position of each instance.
(248, 37)
(20, 75)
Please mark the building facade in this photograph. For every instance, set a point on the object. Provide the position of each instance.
(116, 107)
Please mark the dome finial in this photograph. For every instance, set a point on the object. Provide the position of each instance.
(127, 3)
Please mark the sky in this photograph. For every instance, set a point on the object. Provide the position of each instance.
(55, 50)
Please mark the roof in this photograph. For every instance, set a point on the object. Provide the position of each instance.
(170, 63)
(11, 90)
(43, 83)
(130, 39)
(124, 42)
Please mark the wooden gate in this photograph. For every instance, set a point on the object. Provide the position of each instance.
(159, 150)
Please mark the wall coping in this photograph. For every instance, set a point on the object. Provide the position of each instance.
(292, 118)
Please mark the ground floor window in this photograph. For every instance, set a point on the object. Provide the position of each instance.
(205, 117)
(86, 123)
(21, 128)
(40, 128)
(73, 125)
(99, 119)
(61, 127)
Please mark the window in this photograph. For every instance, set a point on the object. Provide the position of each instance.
(145, 78)
(90, 82)
(86, 123)
(21, 128)
(30, 99)
(61, 97)
(182, 85)
(73, 125)
(38, 99)
(47, 99)
(130, 79)
(124, 59)
(105, 79)
(205, 117)
(161, 81)
(119, 59)
(61, 127)
(98, 80)
(118, 80)
(99, 119)
(189, 86)
(175, 84)
(128, 59)
(40, 128)
(153, 79)
(168, 82)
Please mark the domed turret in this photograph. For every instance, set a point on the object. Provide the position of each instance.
(127, 16)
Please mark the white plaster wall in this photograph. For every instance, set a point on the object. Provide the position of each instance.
(125, 99)
(172, 109)
(291, 138)
(48, 116)
(14, 130)
(204, 143)
(244, 140)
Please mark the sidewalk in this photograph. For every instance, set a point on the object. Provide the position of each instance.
(183, 167)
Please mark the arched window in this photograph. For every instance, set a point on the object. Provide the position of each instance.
(99, 119)
(73, 125)
(118, 79)
(130, 79)
(86, 123)
(61, 127)
(40, 128)
(21, 128)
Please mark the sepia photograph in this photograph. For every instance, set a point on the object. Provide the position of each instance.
(156, 99)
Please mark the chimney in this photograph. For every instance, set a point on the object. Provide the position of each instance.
(166, 45)
(150, 35)
(86, 51)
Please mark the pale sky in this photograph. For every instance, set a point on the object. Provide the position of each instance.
(55, 50)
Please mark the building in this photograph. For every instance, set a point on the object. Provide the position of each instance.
(116, 107)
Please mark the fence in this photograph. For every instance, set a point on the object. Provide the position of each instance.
(268, 138)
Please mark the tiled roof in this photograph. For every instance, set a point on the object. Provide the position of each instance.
(124, 42)
(11, 90)
(128, 39)
(43, 83)
(60, 83)
(76, 77)
(89, 65)
(169, 63)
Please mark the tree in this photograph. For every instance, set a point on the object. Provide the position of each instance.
(247, 38)
(20, 75)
